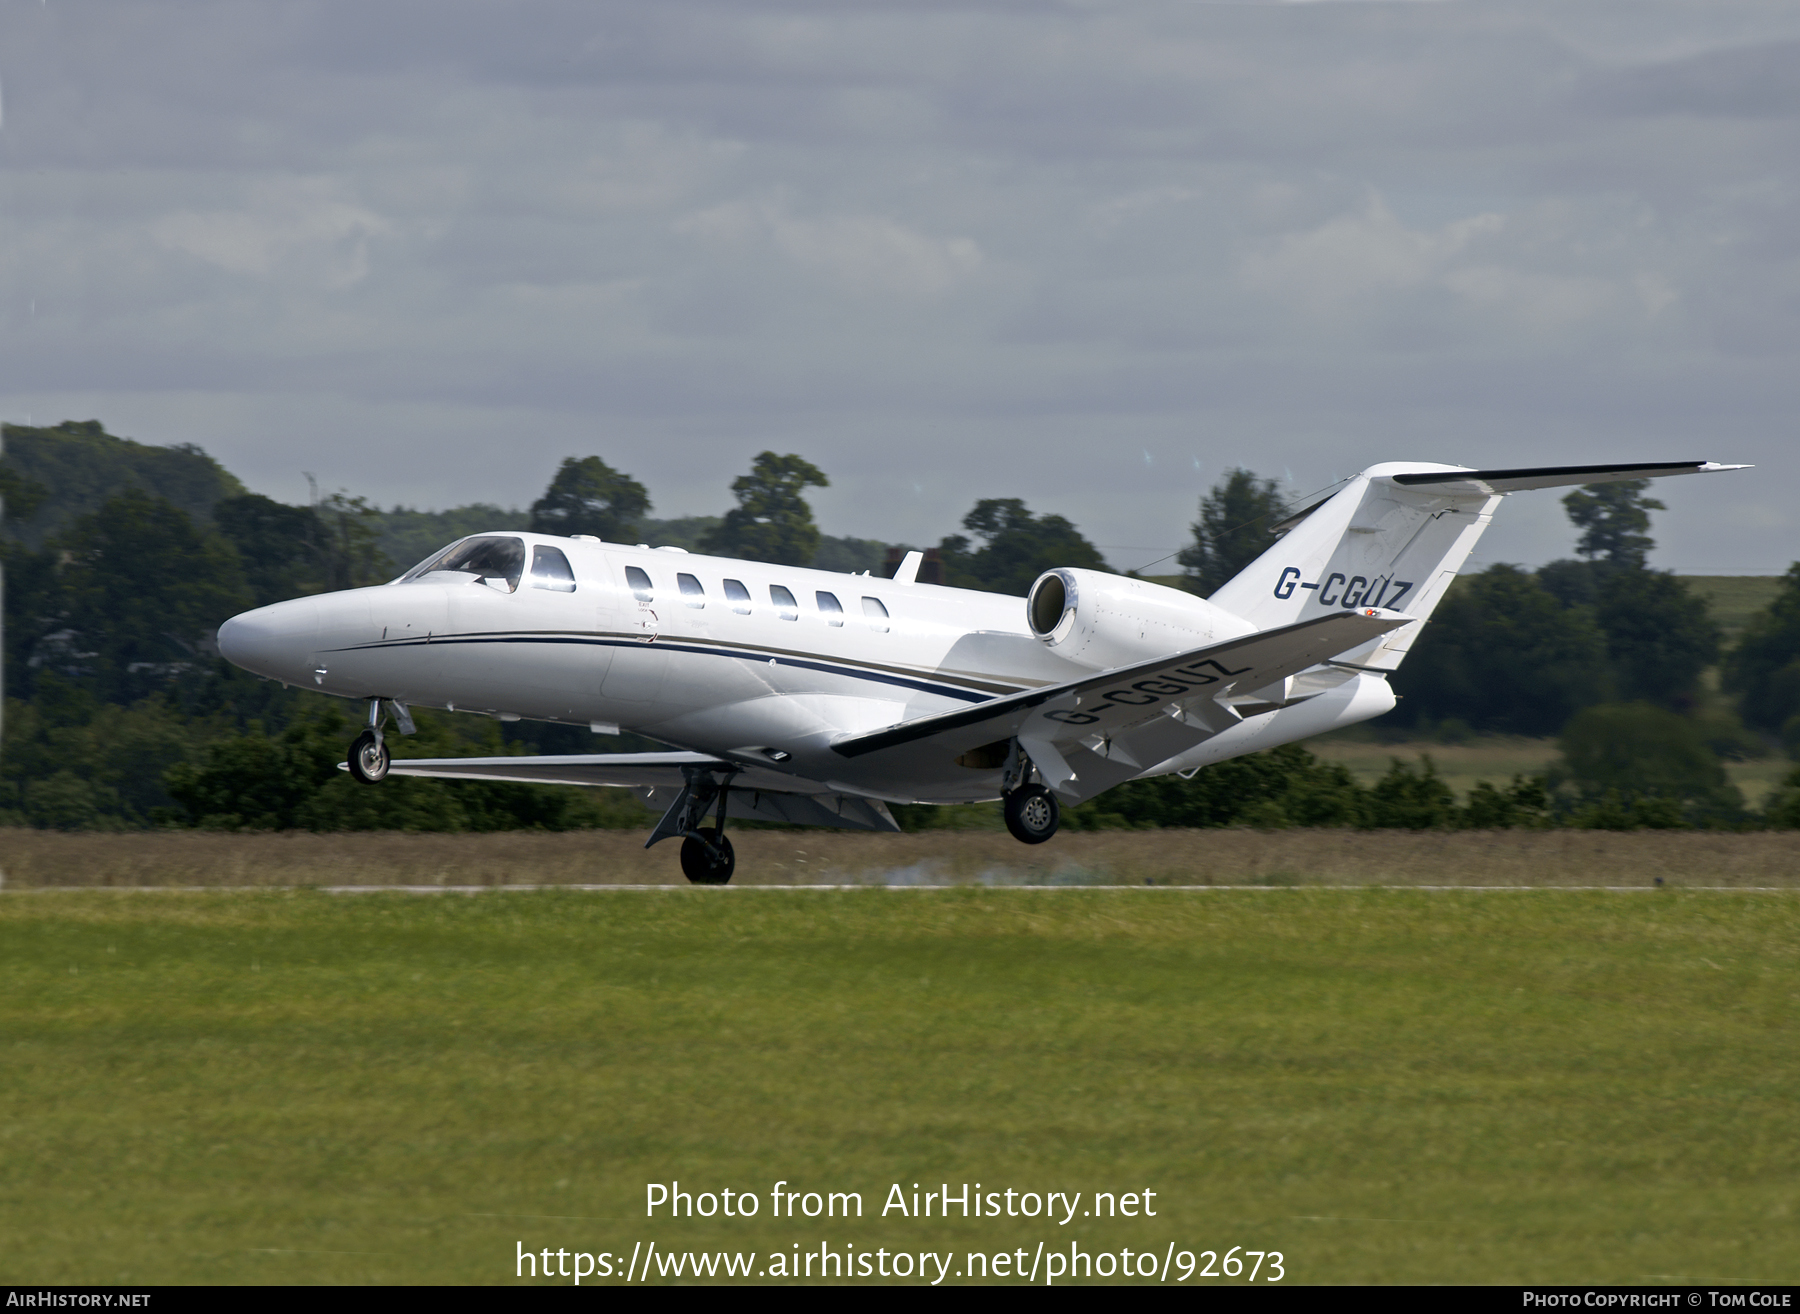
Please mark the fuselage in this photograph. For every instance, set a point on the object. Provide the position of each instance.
(761, 664)
(708, 653)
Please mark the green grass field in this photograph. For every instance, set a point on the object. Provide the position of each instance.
(1734, 599)
(1497, 758)
(1385, 1086)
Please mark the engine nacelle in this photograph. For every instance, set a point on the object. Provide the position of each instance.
(1102, 620)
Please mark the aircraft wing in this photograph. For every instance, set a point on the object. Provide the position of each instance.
(1131, 716)
(656, 779)
(630, 770)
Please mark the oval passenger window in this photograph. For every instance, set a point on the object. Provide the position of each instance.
(691, 592)
(830, 608)
(640, 584)
(784, 602)
(877, 615)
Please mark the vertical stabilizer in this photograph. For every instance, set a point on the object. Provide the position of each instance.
(1394, 537)
(1375, 543)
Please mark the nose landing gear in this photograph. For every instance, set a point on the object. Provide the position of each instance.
(369, 760)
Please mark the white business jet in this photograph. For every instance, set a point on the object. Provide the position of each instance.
(814, 697)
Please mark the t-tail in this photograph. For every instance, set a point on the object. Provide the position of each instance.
(1392, 538)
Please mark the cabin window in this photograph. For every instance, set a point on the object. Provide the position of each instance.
(691, 592)
(492, 560)
(738, 596)
(550, 570)
(830, 608)
(877, 615)
(640, 584)
(784, 602)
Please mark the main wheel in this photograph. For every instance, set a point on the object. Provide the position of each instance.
(704, 865)
(1032, 814)
(369, 758)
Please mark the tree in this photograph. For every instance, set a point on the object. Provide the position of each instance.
(349, 545)
(1233, 529)
(146, 590)
(1285, 786)
(849, 556)
(1764, 668)
(1614, 520)
(20, 495)
(1503, 655)
(79, 466)
(410, 536)
(1659, 636)
(1017, 547)
(1634, 750)
(588, 496)
(771, 521)
(277, 543)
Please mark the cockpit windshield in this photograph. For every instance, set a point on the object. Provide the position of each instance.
(491, 559)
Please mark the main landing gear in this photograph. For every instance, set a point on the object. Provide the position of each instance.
(706, 854)
(369, 760)
(1032, 812)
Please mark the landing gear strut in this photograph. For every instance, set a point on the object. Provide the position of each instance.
(706, 855)
(369, 760)
(1032, 812)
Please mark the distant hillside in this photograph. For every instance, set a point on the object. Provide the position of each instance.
(409, 536)
(52, 476)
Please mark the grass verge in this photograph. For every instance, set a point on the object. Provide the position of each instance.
(35, 859)
(1387, 1086)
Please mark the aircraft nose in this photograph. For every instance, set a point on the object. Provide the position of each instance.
(274, 641)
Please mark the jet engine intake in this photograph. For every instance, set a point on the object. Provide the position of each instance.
(1101, 621)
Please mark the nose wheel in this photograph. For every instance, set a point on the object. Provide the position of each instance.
(1032, 814)
(369, 758)
(706, 857)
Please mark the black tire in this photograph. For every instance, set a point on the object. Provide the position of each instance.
(369, 759)
(701, 865)
(1032, 814)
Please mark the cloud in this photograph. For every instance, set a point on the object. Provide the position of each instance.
(866, 254)
(283, 224)
(992, 247)
(1367, 251)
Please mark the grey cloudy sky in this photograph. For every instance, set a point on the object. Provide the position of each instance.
(1090, 254)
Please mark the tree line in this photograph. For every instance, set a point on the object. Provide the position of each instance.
(122, 559)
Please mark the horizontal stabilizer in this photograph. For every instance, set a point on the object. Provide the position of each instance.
(1467, 483)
